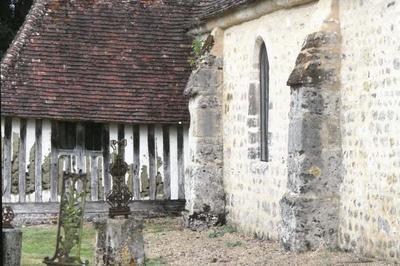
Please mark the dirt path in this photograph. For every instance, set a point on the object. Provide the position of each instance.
(167, 243)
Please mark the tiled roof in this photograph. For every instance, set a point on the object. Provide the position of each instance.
(211, 8)
(100, 60)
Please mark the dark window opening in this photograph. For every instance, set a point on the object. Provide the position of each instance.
(93, 136)
(64, 135)
(264, 101)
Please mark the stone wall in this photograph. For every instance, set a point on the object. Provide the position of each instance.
(370, 193)
(370, 74)
(253, 188)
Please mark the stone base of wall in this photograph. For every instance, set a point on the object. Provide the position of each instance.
(310, 222)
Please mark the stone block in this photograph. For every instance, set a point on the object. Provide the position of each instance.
(206, 189)
(320, 174)
(119, 242)
(309, 222)
(206, 123)
(12, 243)
(315, 100)
(304, 133)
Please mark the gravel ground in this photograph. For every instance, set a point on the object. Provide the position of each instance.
(168, 243)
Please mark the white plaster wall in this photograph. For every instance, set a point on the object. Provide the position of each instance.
(254, 188)
(370, 76)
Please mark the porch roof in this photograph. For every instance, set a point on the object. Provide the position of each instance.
(100, 60)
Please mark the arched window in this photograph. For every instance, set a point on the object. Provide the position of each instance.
(264, 101)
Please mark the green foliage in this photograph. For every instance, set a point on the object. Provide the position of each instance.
(196, 52)
(221, 231)
(155, 261)
(234, 244)
(11, 20)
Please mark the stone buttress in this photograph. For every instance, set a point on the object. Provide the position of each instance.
(205, 199)
(310, 207)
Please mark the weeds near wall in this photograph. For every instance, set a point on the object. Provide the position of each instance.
(221, 231)
(195, 52)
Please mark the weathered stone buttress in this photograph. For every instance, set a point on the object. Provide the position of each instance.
(205, 199)
(310, 207)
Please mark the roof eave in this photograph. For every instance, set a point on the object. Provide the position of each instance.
(238, 15)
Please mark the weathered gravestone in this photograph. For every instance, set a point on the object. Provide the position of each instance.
(12, 239)
(119, 239)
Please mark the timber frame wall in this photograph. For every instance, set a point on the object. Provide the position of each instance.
(156, 155)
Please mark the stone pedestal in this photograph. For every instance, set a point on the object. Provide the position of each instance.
(12, 243)
(119, 242)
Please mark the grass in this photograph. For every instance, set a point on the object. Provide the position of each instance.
(234, 244)
(155, 261)
(40, 241)
(221, 231)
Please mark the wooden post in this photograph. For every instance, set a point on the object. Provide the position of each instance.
(144, 159)
(185, 151)
(167, 176)
(53, 164)
(152, 163)
(181, 165)
(158, 135)
(106, 159)
(136, 163)
(173, 148)
(7, 161)
(121, 135)
(22, 161)
(129, 155)
(94, 179)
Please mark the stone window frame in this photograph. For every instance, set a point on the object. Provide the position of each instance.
(254, 107)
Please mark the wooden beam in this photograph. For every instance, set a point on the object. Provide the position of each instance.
(101, 207)
(181, 164)
(144, 159)
(167, 175)
(129, 155)
(53, 165)
(152, 163)
(94, 188)
(136, 163)
(80, 147)
(106, 159)
(173, 152)
(158, 135)
(7, 161)
(22, 161)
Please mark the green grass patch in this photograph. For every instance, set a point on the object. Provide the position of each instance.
(221, 231)
(40, 241)
(155, 261)
(234, 244)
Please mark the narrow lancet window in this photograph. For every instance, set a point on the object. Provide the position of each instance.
(264, 101)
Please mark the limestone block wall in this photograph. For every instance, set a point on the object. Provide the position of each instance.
(254, 188)
(370, 76)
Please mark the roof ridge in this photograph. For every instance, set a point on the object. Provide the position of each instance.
(34, 15)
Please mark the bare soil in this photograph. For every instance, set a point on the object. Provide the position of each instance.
(168, 243)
